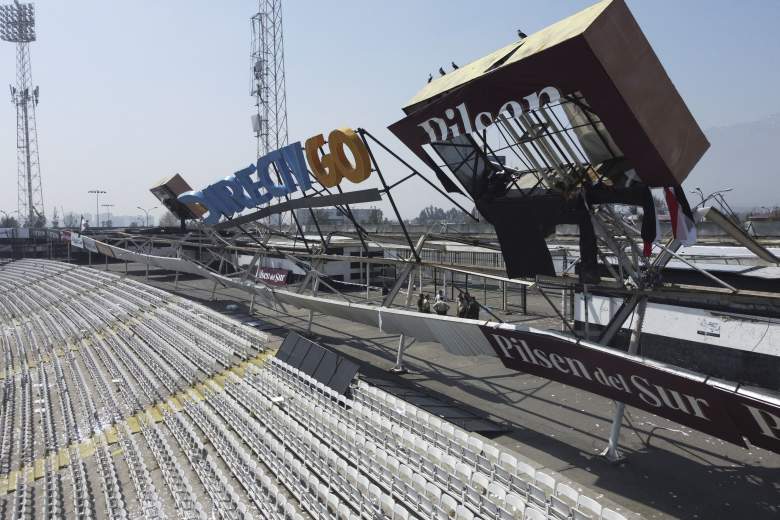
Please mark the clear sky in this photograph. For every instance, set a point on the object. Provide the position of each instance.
(134, 91)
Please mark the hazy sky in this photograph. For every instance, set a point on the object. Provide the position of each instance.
(134, 91)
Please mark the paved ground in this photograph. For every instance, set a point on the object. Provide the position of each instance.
(669, 471)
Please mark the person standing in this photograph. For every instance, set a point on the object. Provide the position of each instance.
(461, 306)
(440, 307)
(426, 305)
(473, 310)
(420, 303)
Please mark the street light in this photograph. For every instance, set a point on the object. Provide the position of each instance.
(97, 210)
(147, 213)
(108, 211)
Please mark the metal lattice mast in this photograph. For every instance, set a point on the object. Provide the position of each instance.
(17, 24)
(268, 82)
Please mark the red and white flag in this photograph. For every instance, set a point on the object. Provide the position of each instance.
(683, 225)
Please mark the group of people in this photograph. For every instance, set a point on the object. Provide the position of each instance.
(468, 307)
(439, 305)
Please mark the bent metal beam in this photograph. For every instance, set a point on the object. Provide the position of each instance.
(322, 201)
(720, 408)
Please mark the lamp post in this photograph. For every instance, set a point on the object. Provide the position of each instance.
(147, 213)
(97, 203)
(108, 212)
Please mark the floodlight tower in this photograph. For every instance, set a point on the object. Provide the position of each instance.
(17, 24)
(268, 84)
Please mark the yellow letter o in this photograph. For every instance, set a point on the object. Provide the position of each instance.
(362, 168)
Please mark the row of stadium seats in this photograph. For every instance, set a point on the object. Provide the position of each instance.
(151, 505)
(186, 503)
(486, 480)
(61, 311)
(559, 499)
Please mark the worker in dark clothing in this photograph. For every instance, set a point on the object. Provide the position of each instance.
(420, 300)
(426, 305)
(473, 309)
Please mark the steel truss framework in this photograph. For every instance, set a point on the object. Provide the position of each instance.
(632, 276)
(268, 79)
(25, 97)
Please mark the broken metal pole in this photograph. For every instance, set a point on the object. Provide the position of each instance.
(399, 360)
(611, 452)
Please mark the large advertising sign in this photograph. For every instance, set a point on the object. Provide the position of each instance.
(599, 55)
(254, 186)
(690, 400)
(273, 276)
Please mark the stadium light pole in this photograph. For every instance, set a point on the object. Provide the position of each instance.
(97, 204)
(17, 25)
(147, 213)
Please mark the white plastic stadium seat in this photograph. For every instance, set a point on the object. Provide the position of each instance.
(608, 514)
(533, 514)
(589, 506)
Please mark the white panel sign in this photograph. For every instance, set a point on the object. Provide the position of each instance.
(89, 244)
(76, 240)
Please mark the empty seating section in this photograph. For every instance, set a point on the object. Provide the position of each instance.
(142, 412)
(82, 352)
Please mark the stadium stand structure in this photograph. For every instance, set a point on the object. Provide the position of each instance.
(120, 400)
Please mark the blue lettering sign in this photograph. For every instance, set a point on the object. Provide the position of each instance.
(241, 190)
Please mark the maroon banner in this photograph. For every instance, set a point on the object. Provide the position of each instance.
(757, 420)
(273, 276)
(685, 399)
(602, 56)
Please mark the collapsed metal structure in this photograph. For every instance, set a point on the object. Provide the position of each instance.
(532, 143)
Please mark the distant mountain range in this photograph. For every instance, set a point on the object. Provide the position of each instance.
(744, 157)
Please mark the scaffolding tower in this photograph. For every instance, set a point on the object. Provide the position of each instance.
(17, 25)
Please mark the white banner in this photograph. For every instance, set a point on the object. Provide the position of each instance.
(76, 241)
(89, 244)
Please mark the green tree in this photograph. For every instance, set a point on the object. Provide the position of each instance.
(431, 214)
(8, 221)
(70, 220)
(39, 222)
(169, 220)
(375, 216)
